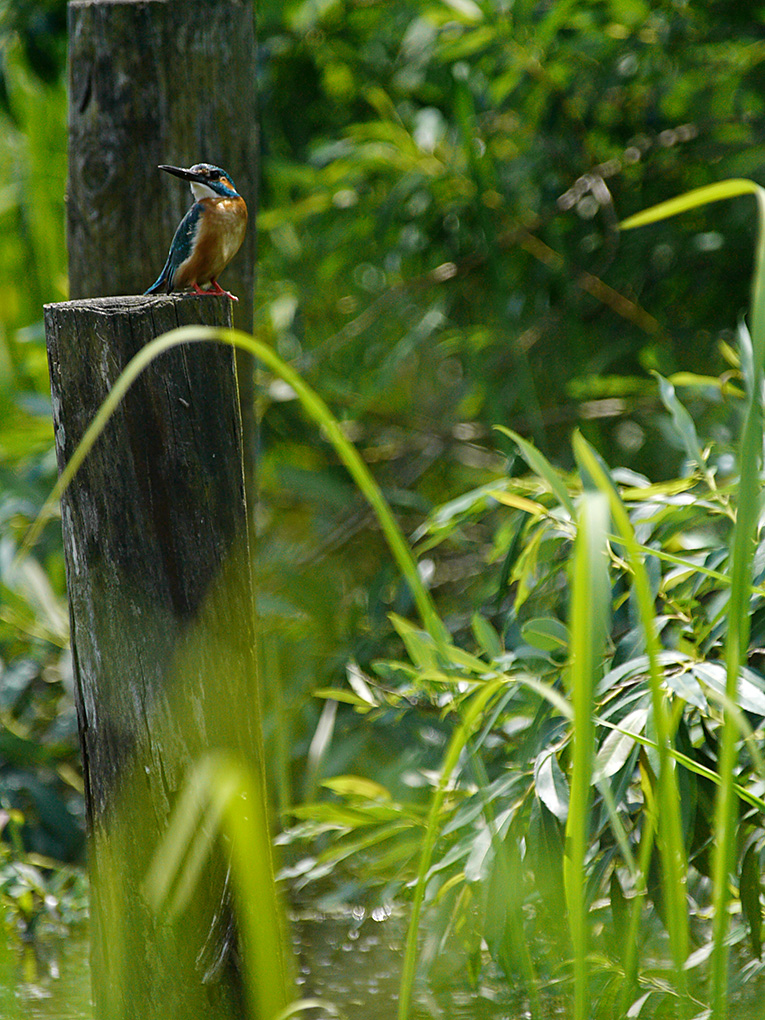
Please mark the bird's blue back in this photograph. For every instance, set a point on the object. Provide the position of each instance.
(180, 249)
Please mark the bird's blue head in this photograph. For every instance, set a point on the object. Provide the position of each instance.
(206, 180)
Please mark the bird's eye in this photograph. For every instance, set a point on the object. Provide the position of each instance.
(215, 174)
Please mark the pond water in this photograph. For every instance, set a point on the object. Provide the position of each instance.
(352, 961)
(54, 979)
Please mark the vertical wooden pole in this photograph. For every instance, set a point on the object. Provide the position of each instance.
(155, 524)
(161, 605)
(157, 81)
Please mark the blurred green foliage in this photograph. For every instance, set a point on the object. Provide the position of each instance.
(40, 786)
(441, 185)
(494, 888)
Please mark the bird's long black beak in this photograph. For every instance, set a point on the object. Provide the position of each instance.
(178, 171)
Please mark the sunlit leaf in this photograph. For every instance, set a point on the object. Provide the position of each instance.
(751, 687)
(519, 502)
(539, 463)
(691, 200)
(356, 786)
(617, 747)
(343, 695)
(550, 784)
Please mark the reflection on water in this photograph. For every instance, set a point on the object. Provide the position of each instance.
(352, 961)
(54, 979)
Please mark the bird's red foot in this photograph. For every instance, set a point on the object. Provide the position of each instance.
(215, 289)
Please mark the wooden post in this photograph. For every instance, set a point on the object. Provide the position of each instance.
(161, 605)
(157, 81)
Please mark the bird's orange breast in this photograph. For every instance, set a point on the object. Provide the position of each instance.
(218, 238)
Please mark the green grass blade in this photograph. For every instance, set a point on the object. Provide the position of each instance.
(588, 624)
(470, 721)
(312, 404)
(674, 868)
(691, 200)
(216, 793)
(742, 553)
(633, 941)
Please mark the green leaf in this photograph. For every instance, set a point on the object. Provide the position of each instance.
(682, 422)
(746, 355)
(459, 657)
(617, 747)
(684, 684)
(691, 200)
(486, 636)
(550, 785)
(545, 855)
(541, 465)
(356, 786)
(749, 893)
(546, 633)
(340, 694)
(419, 645)
(749, 696)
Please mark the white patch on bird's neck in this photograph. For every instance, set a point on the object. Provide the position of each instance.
(200, 191)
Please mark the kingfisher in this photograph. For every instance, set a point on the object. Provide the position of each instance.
(208, 236)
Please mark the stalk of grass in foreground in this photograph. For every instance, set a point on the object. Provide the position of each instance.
(212, 803)
(590, 604)
(317, 409)
(669, 824)
(673, 857)
(508, 862)
(742, 552)
(312, 404)
(471, 719)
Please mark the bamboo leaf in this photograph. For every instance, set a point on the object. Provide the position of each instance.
(519, 503)
(546, 633)
(749, 893)
(486, 636)
(541, 465)
(682, 421)
(356, 786)
(420, 647)
(550, 785)
(346, 697)
(617, 747)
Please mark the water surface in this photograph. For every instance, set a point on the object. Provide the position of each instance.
(352, 961)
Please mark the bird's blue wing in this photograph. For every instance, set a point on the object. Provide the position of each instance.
(180, 250)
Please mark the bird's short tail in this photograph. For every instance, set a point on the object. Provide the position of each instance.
(160, 284)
